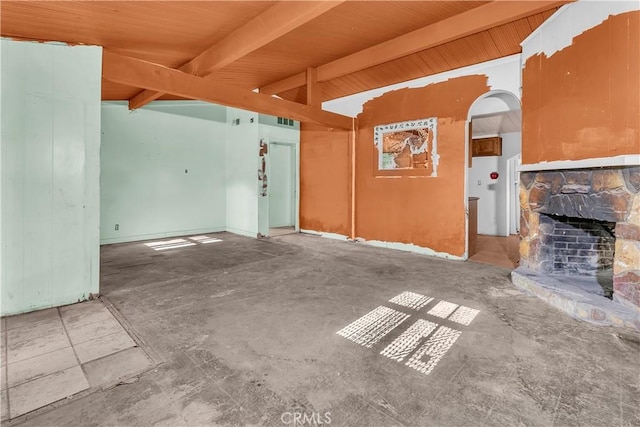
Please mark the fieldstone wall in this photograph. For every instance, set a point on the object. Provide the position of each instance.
(604, 194)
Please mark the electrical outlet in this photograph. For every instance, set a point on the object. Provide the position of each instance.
(117, 227)
(479, 182)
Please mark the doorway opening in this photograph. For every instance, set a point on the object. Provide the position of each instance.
(282, 188)
(494, 156)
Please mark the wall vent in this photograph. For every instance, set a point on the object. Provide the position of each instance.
(285, 121)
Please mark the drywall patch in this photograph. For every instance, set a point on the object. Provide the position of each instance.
(326, 235)
(559, 31)
(262, 172)
(408, 247)
(410, 145)
(502, 73)
(450, 99)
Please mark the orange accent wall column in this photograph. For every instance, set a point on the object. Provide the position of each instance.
(424, 211)
(325, 180)
(584, 101)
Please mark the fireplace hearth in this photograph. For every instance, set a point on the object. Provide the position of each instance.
(580, 235)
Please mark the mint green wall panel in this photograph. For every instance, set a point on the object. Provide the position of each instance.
(50, 167)
(242, 172)
(163, 174)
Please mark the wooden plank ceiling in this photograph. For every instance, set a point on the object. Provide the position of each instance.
(277, 42)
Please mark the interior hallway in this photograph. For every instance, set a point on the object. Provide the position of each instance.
(247, 332)
(497, 250)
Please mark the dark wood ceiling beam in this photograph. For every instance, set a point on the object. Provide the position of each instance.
(136, 72)
(278, 20)
(458, 26)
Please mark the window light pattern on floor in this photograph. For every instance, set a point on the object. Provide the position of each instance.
(464, 315)
(205, 239)
(162, 245)
(374, 325)
(425, 342)
(411, 300)
(409, 340)
(169, 244)
(435, 347)
(443, 309)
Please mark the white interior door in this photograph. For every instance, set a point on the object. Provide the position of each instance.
(281, 185)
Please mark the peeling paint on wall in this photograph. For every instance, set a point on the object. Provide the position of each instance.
(422, 214)
(262, 172)
(571, 21)
(584, 101)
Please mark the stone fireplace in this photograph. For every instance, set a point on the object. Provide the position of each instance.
(577, 247)
(582, 227)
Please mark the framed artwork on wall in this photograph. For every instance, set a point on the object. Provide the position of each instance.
(409, 148)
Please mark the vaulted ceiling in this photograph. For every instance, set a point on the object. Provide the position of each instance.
(339, 47)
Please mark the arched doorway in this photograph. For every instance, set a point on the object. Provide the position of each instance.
(494, 144)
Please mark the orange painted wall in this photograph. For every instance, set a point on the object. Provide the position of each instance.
(425, 211)
(325, 180)
(584, 101)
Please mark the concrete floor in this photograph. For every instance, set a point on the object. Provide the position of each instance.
(247, 332)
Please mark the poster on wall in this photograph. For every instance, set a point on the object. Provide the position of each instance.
(410, 145)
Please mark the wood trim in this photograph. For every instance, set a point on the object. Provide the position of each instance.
(314, 91)
(278, 20)
(470, 139)
(458, 26)
(136, 72)
(292, 82)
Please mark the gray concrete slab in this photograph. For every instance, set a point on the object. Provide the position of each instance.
(79, 315)
(28, 319)
(40, 366)
(31, 331)
(82, 332)
(248, 329)
(34, 394)
(3, 348)
(4, 406)
(116, 366)
(31, 341)
(103, 346)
